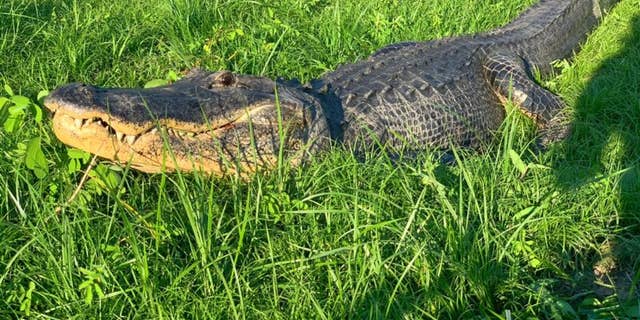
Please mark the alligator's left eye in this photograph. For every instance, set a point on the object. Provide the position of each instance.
(224, 79)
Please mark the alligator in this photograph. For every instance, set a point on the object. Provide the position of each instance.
(410, 95)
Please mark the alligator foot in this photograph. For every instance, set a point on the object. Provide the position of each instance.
(556, 129)
(508, 75)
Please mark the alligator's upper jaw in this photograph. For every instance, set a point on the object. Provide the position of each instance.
(212, 122)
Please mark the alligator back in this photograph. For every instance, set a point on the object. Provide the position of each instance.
(449, 91)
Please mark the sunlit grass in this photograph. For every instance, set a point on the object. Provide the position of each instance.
(508, 230)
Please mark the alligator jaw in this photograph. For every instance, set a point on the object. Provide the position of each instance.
(192, 125)
(142, 150)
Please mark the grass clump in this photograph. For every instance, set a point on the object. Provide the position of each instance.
(504, 232)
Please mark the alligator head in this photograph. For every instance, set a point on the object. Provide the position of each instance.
(216, 122)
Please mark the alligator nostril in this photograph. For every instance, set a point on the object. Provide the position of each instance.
(84, 90)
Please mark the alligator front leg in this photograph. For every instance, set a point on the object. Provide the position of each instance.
(507, 75)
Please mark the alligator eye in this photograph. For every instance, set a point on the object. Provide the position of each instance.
(224, 79)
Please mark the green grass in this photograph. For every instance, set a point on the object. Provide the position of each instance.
(340, 237)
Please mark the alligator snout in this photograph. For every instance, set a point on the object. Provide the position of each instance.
(74, 95)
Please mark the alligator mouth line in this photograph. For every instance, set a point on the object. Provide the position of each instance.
(96, 124)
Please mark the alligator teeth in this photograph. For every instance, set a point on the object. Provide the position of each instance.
(175, 132)
(181, 134)
(119, 136)
(130, 139)
(77, 123)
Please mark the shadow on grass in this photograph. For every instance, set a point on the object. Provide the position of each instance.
(605, 146)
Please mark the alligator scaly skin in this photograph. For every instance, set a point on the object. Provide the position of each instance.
(451, 91)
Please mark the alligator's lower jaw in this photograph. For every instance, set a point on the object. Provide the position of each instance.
(153, 151)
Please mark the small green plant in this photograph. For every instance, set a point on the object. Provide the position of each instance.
(76, 159)
(34, 158)
(93, 283)
(14, 108)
